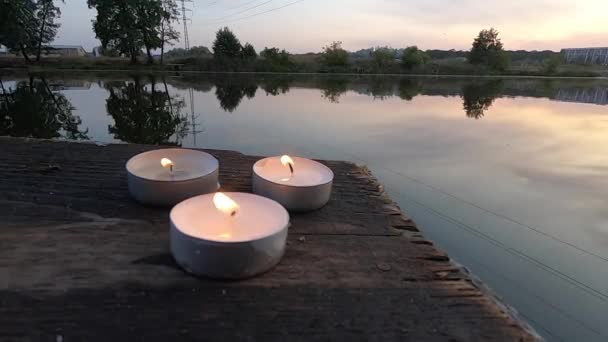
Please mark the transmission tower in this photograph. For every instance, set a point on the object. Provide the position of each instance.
(185, 19)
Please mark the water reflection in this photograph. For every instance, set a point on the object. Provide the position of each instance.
(276, 84)
(409, 88)
(333, 87)
(478, 97)
(144, 114)
(32, 109)
(463, 181)
(231, 90)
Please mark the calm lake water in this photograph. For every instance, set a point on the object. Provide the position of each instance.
(510, 177)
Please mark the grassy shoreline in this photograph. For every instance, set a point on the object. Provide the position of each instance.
(162, 71)
(260, 67)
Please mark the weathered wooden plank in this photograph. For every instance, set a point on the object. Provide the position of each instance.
(81, 260)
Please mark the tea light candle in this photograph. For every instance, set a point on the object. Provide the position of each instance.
(166, 177)
(232, 236)
(299, 184)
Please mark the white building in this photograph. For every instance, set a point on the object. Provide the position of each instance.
(67, 50)
(596, 55)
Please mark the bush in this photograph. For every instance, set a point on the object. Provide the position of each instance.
(413, 57)
(335, 56)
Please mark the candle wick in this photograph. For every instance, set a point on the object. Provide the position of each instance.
(232, 213)
(171, 168)
(290, 168)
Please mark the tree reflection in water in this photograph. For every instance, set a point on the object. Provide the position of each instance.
(33, 110)
(145, 114)
(333, 87)
(381, 87)
(478, 97)
(231, 90)
(409, 88)
(276, 85)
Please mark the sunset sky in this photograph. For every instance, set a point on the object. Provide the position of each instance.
(307, 25)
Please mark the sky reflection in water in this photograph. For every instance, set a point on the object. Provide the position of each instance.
(508, 176)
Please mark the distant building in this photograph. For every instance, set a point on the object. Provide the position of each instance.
(67, 50)
(596, 55)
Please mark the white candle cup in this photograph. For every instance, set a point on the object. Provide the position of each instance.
(188, 173)
(307, 188)
(208, 242)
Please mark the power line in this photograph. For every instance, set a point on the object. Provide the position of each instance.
(536, 230)
(209, 4)
(583, 286)
(260, 13)
(242, 5)
(491, 212)
(243, 11)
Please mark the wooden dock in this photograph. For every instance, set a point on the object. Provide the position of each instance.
(81, 261)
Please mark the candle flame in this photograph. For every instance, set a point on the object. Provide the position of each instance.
(167, 163)
(225, 204)
(287, 161)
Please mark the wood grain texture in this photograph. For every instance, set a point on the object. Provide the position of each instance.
(82, 261)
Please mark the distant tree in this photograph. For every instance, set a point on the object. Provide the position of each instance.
(488, 50)
(335, 55)
(150, 16)
(248, 51)
(552, 64)
(107, 52)
(445, 54)
(412, 57)
(383, 57)
(199, 51)
(168, 34)
(276, 56)
(194, 51)
(46, 13)
(226, 44)
(19, 27)
(117, 26)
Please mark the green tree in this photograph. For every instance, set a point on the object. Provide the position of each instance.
(130, 25)
(194, 51)
(19, 26)
(248, 51)
(412, 57)
(226, 44)
(383, 57)
(488, 50)
(552, 64)
(168, 34)
(150, 16)
(334, 55)
(46, 13)
(117, 26)
(276, 57)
